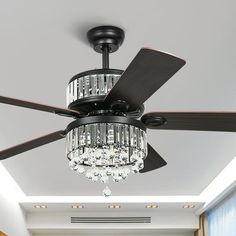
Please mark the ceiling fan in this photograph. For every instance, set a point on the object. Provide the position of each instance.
(107, 137)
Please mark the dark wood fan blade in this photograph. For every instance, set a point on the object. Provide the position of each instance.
(34, 143)
(39, 107)
(148, 71)
(203, 121)
(153, 160)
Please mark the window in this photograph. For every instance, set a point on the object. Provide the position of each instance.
(222, 218)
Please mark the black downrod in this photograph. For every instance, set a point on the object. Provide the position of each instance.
(105, 56)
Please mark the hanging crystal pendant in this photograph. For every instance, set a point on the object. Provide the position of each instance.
(106, 192)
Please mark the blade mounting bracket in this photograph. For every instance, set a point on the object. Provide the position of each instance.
(153, 121)
(120, 106)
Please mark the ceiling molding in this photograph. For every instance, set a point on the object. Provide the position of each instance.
(221, 184)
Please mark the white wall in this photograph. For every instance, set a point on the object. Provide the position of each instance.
(163, 233)
(161, 220)
(163, 223)
(158, 234)
(12, 219)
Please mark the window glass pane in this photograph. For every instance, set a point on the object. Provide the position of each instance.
(222, 219)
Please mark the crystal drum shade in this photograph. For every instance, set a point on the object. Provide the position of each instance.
(89, 86)
(104, 150)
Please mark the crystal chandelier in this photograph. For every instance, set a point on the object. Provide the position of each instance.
(102, 150)
(106, 147)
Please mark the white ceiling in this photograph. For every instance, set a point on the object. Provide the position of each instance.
(43, 45)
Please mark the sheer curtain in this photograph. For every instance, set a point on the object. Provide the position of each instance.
(222, 219)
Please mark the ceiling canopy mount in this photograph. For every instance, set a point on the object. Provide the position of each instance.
(106, 36)
(106, 39)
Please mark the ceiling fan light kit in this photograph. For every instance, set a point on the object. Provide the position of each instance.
(107, 139)
(109, 145)
(108, 142)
